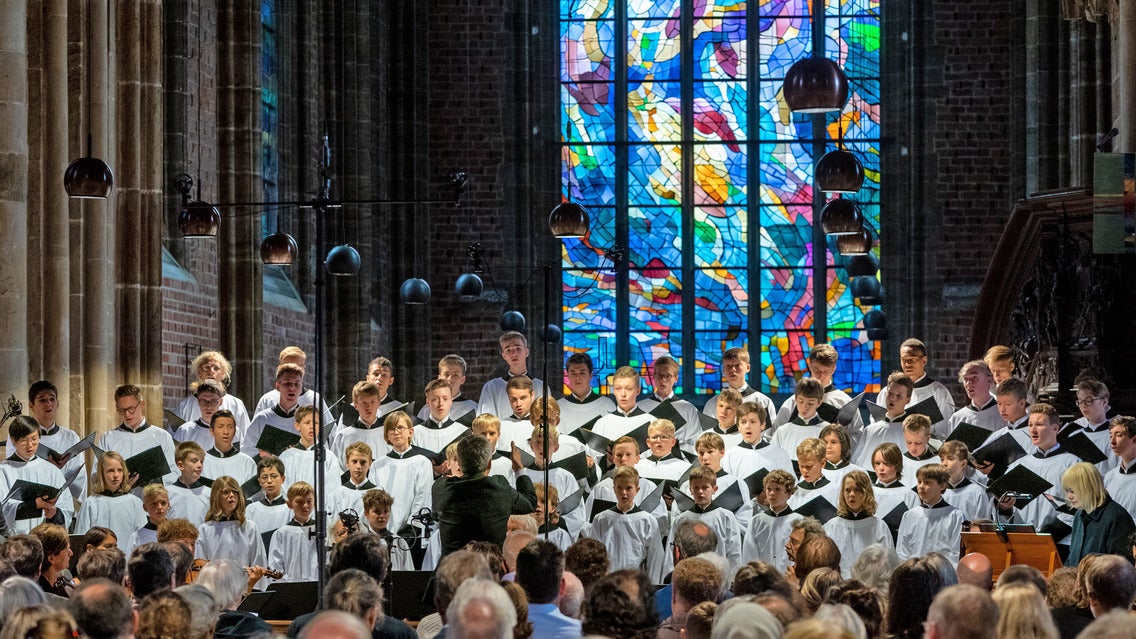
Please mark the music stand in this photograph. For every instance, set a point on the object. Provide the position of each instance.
(1005, 549)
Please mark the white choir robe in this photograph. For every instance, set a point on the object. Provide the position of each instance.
(200, 432)
(569, 446)
(503, 465)
(435, 438)
(853, 535)
(790, 435)
(912, 464)
(879, 432)
(147, 534)
(731, 436)
(615, 425)
(985, 416)
(926, 387)
(749, 394)
(745, 459)
(971, 498)
(632, 540)
(1098, 434)
(188, 502)
(59, 439)
(671, 466)
(566, 485)
(821, 488)
(495, 399)
(833, 397)
(894, 498)
(687, 433)
(234, 464)
(836, 472)
(293, 552)
(1039, 512)
(190, 412)
(399, 549)
(121, 513)
(387, 405)
(272, 399)
(557, 535)
(22, 520)
(300, 465)
(375, 437)
(268, 514)
(231, 540)
(724, 525)
(766, 538)
(407, 477)
(129, 443)
(1120, 483)
(347, 496)
(936, 529)
(575, 412)
(514, 430)
(604, 491)
(724, 481)
(459, 407)
(273, 417)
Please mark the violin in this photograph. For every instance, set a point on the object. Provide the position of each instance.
(254, 572)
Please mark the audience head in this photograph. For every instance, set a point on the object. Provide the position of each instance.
(588, 560)
(492, 554)
(1110, 584)
(700, 620)
(620, 605)
(337, 624)
(815, 629)
(573, 597)
(203, 610)
(1062, 590)
(150, 569)
(355, 592)
(454, 569)
(480, 609)
(55, 542)
(227, 580)
(695, 580)
(40, 622)
(801, 530)
(913, 585)
(163, 615)
(362, 551)
(540, 566)
(1111, 625)
(815, 587)
(1023, 574)
(944, 567)
(739, 619)
(102, 609)
(962, 612)
(874, 566)
(814, 553)
(183, 560)
(975, 569)
(843, 617)
(693, 537)
(25, 553)
(1022, 613)
(524, 628)
(107, 563)
(757, 577)
(514, 542)
(18, 592)
(785, 609)
(866, 601)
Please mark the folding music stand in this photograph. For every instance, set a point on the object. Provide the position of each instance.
(1005, 549)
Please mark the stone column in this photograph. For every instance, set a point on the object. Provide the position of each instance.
(55, 260)
(1125, 73)
(13, 199)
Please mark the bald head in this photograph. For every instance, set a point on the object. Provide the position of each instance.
(975, 569)
(514, 541)
(335, 624)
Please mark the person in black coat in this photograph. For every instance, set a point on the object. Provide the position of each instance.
(476, 506)
(1100, 525)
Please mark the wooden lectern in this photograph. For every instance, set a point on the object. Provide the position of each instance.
(1008, 548)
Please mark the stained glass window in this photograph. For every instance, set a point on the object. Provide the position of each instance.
(677, 139)
(269, 107)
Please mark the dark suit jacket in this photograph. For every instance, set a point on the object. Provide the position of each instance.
(478, 508)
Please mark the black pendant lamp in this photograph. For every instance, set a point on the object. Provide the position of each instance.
(88, 177)
(278, 248)
(839, 171)
(414, 291)
(815, 85)
(199, 219)
(569, 219)
(342, 260)
(857, 243)
(841, 217)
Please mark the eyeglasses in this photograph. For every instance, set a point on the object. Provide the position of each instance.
(400, 427)
(1086, 402)
(129, 410)
(657, 438)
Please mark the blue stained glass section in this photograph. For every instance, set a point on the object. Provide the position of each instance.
(588, 174)
(786, 173)
(656, 237)
(720, 49)
(720, 8)
(719, 174)
(858, 368)
(787, 299)
(780, 43)
(786, 236)
(721, 300)
(589, 300)
(653, 51)
(720, 237)
(653, 175)
(587, 9)
(587, 251)
(588, 111)
(656, 299)
(654, 112)
(654, 9)
(587, 51)
(783, 357)
(852, 7)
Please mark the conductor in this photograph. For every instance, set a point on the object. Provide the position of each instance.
(476, 506)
